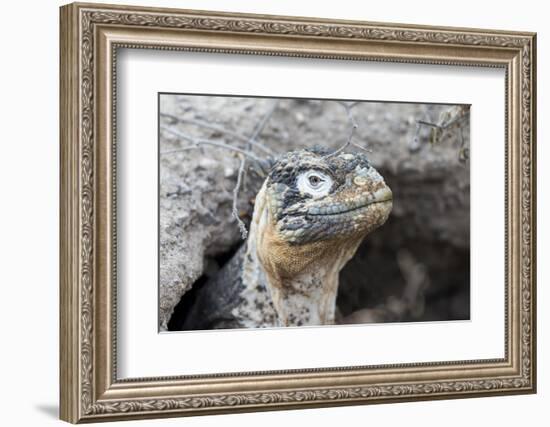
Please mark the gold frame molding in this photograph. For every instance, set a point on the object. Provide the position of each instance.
(90, 37)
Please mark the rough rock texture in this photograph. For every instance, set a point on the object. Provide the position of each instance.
(416, 267)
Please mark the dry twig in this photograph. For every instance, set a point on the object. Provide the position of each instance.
(251, 142)
(354, 126)
(235, 211)
(449, 119)
(198, 142)
(261, 125)
(200, 123)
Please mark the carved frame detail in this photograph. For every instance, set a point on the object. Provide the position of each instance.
(89, 388)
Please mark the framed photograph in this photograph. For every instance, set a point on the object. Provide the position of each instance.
(267, 212)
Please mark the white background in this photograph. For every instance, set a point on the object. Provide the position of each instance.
(29, 171)
(141, 348)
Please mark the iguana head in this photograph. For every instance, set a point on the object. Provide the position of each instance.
(313, 196)
(310, 216)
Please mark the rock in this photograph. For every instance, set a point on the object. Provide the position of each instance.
(196, 194)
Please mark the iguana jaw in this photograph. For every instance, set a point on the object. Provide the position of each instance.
(383, 195)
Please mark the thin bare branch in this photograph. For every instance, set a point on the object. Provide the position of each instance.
(354, 126)
(200, 123)
(204, 124)
(198, 142)
(430, 124)
(464, 152)
(235, 210)
(448, 119)
(368, 150)
(261, 125)
(250, 143)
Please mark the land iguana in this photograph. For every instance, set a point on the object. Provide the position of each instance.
(310, 215)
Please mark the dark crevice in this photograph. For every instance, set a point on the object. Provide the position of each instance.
(212, 265)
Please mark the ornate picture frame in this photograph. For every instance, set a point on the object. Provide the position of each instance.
(90, 37)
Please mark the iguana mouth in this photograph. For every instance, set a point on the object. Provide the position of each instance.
(352, 209)
(383, 195)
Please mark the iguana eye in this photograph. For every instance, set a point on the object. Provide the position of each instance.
(315, 183)
(315, 180)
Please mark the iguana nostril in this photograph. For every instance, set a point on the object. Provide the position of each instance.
(383, 195)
